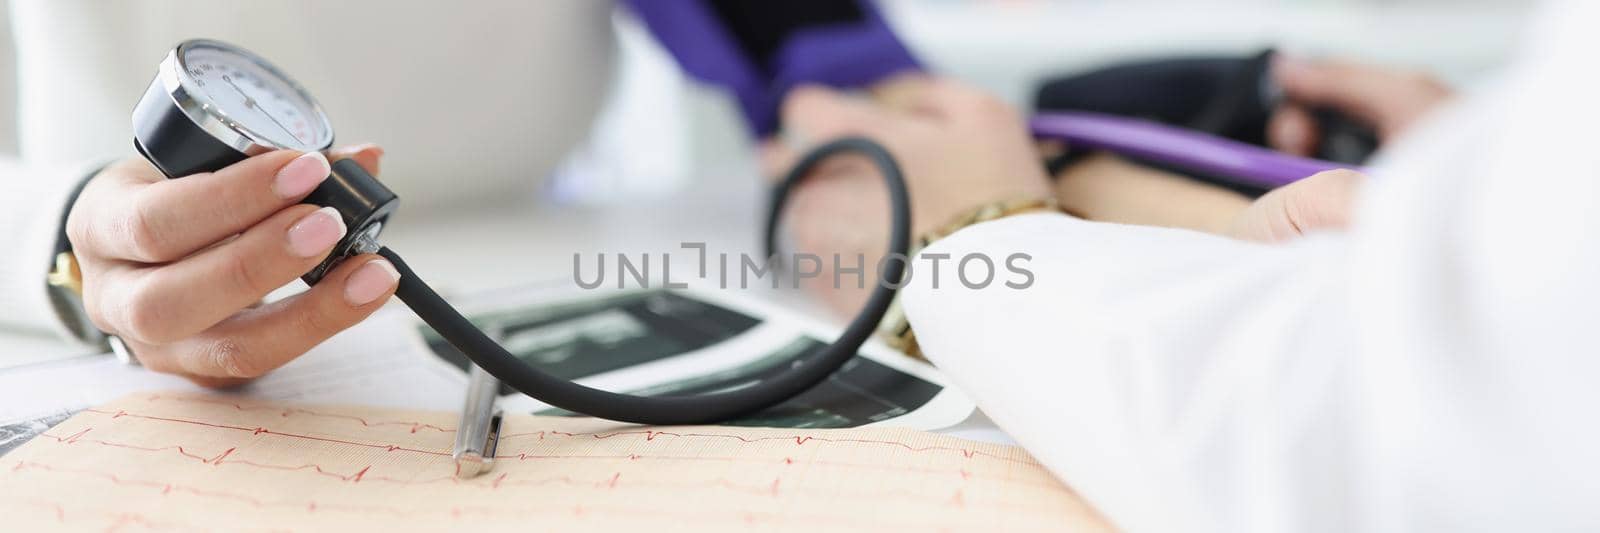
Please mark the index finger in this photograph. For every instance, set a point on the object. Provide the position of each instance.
(164, 220)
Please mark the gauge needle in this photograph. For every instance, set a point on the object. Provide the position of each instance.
(251, 103)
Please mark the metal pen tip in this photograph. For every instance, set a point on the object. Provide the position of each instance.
(470, 464)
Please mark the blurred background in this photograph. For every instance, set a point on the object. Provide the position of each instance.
(660, 132)
(669, 160)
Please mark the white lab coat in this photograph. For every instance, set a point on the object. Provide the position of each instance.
(1434, 368)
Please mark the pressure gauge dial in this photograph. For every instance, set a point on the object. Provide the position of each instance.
(259, 102)
(213, 104)
(212, 91)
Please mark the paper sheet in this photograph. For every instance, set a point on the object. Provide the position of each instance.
(673, 342)
(180, 462)
(360, 365)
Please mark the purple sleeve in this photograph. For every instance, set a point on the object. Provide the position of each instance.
(711, 40)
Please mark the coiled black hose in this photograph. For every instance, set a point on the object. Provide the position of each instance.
(805, 372)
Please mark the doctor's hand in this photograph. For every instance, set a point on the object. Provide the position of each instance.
(176, 268)
(1388, 100)
(958, 146)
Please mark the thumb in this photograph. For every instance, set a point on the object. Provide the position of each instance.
(1323, 201)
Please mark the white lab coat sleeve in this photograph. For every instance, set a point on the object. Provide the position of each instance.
(1432, 369)
(32, 204)
(34, 189)
(1477, 274)
(1154, 370)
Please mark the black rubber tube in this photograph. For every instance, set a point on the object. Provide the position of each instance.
(805, 372)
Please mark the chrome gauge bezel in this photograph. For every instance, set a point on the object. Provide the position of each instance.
(195, 104)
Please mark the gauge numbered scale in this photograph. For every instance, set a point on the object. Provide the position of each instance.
(213, 104)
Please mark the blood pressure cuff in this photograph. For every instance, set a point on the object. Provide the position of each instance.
(758, 50)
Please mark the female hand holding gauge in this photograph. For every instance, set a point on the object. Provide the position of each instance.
(174, 265)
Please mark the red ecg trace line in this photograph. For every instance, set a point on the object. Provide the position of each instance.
(577, 511)
(799, 440)
(169, 488)
(264, 431)
(119, 518)
(122, 518)
(362, 474)
(649, 435)
(285, 412)
(457, 512)
(612, 482)
(1049, 483)
(217, 459)
(774, 489)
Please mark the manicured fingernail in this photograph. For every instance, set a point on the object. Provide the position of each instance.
(369, 282)
(300, 176)
(370, 146)
(316, 233)
(351, 151)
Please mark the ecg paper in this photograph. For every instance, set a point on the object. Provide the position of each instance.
(197, 462)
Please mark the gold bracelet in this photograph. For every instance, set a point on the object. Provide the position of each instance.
(66, 274)
(895, 330)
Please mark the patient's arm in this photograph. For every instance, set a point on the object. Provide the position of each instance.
(961, 148)
(958, 147)
(1105, 188)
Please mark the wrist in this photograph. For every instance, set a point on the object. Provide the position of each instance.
(65, 280)
(895, 329)
(1106, 188)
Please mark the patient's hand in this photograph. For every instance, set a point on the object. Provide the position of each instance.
(958, 146)
(175, 267)
(1104, 187)
(1388, 100)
